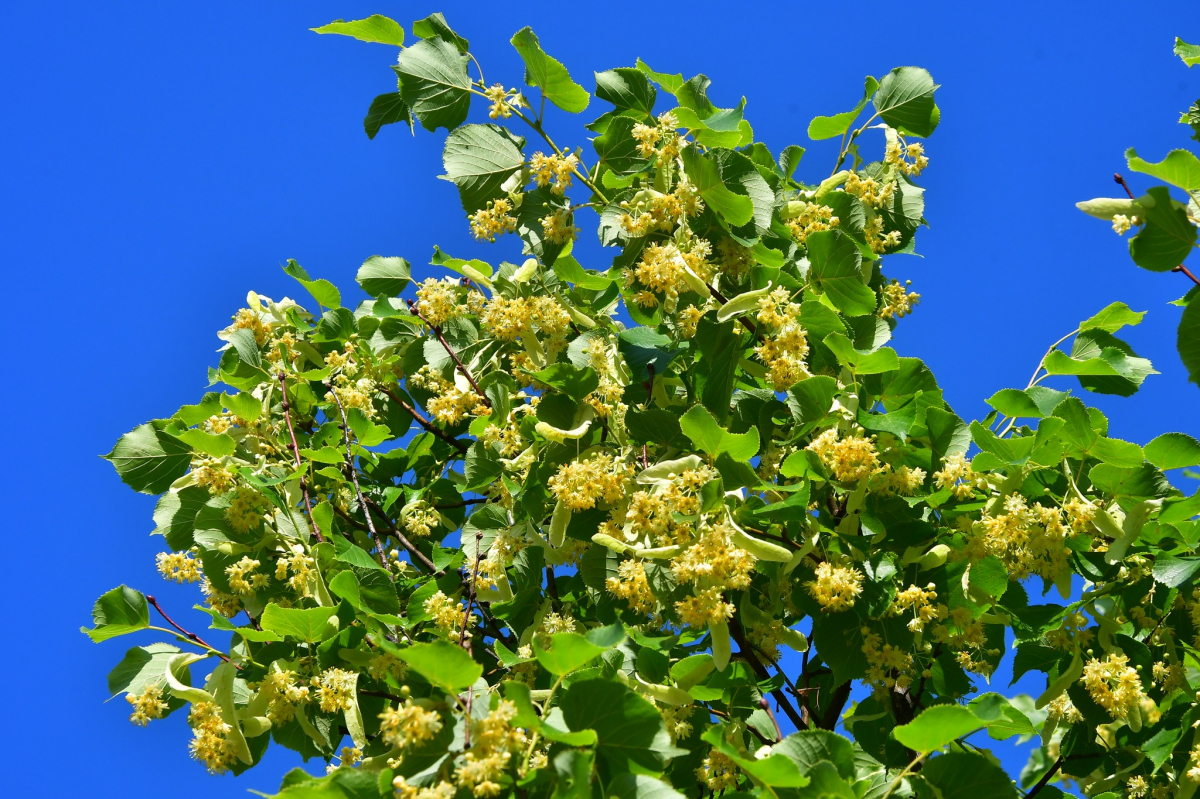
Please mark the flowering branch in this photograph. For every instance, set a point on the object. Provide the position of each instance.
(421, 420)
(296, 451)
(413, 552)
(735, 631)
(437, 331)
(353, 474)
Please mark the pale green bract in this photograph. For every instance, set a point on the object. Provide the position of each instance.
(555, 528)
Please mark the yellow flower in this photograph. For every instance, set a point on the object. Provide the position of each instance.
(147, 705)
(494, 220)
(1113, 684)
(501, 107)
(558, 227)
(408, 725)
(178, 566)
(718, 772)
(246, 509)
(556, 171)
(335, 689)
(242, 576)
(437, 300)
(811, 218)
(849, 459)
(898, 302)
(631, 585)
(703, 608)
(210, 742)
(579, 484)
(835, 587)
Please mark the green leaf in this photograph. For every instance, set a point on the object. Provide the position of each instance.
(838, 124)
(375, 28)
(836, 270)
(384, 276)
(1180, 168)
(1112, 318)
(386, 109)
(435, 26)
(311, 625)
(148, 459)
(434, 83)
(966, 775)
(443, 664)
(118, 612)
(1173, 451)
(324, 292)
(366, 432)
(905, 101)
(810, 747)
(141, 667)
(479, 159)
(1174, 572)
(1167, 237)
(881, 360)
(617, 148)
(716, 372)
(570, 270)
(549, 74)
(244, 405)
(218, 445)
(1190, 53)
(223, 624)
(569, 379)
(669, 83)
(937, 726)
(640, 786)
(1187, 341)
(627, 88)
(629, 729)
(1014, 403)
(702, 428)
(567, 652)
(460, 265)
(705, 175)
(1118, 453)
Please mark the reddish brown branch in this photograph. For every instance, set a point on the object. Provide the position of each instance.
(756, 665)
(1186, 271)
(437, 331)
(416, 554)
(1120, 181)
(190, 636)
(296, 451)
(428, 425)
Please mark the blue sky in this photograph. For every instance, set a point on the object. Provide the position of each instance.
(162, 159)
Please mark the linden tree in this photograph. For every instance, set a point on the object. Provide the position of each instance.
(548, 528)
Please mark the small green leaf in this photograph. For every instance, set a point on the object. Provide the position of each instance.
(324, 292)
(1118, 453)
(627, 88)
(311, 625)
(706, 176)
(905, 101)
(434, 83)
(479, 159)
(1190, 53)
(148, 459)
(435, 26)
(836, 265)
(375, 28)
(1180, 168)
(1173, 451)
(141, 667)
(366, 432)
(967, 775)
(218, 445)
(1112, 318)
(548, 74)
(1187, 341)
(387, 109)
(244, 405)
(443, 664)
(1174, 572)
(569, 379)
(937, 726)
(701, 427)
(566, 653)
(118, 612)
(881, 360)
(1015, 404)
(1167, 237)
(838, 124)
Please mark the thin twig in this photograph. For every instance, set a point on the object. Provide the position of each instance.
(190, 636)
(296, 451)
(437, 331)
(413, 552)
(1186, 271)
(421, 420)
(765, 705)
(722, 714)
(462, 635)
(1049, 775)
(1120, 181)
(735, 631)
(552, 586)
(354, 479)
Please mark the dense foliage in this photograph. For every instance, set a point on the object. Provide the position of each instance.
(511, 545)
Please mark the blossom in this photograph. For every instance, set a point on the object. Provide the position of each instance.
(178, 566)
(408, 724)
(147, 705)
(835, 587)
(494, 220)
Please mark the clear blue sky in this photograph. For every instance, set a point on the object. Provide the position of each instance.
(162, 159)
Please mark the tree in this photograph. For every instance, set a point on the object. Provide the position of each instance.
(511, 545)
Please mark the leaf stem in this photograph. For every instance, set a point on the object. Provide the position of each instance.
(1049, 775)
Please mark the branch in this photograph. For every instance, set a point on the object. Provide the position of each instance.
(349, 464)
(719, 297)
(1186, 271)
(296, 451)
(836, 702)
(421, 420)
(765, 705)
(462, 635)
(413, 552)
(437, 331)
(190, 636)
(735, 630)
(1049, 775)
(1181, 268)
